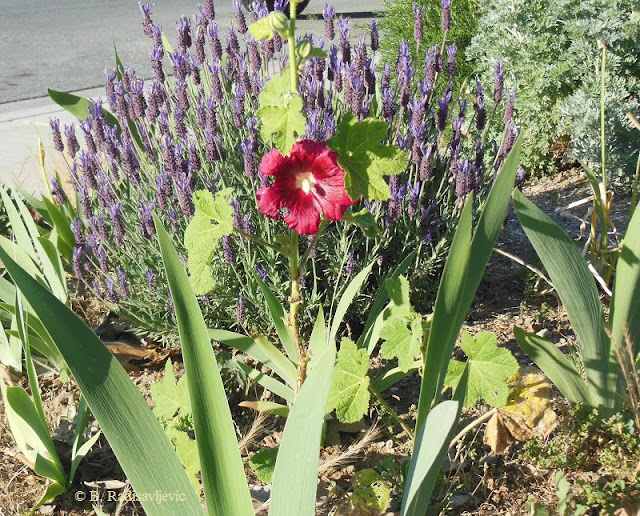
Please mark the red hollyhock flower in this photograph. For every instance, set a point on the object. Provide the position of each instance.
(307, 183)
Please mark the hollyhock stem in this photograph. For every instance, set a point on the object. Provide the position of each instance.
(312, 244)
(292, 45)
(294, 302)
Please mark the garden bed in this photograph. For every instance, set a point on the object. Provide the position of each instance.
(476, 481)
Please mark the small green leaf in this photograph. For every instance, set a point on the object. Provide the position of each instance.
(263, 463)
(187, 451)
(489, 369)
(281, 113)
(403, 337)
(365, 221)
(364, 159)
(349, 393)
(170, 397)
(371, 494)
(213, 219)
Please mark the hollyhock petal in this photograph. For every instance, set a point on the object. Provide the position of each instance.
(308, 182)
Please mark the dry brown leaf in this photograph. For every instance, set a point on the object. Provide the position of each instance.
(497, 435)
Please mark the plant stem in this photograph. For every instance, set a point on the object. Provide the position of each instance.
(472, 425)
(294, 302)
(258, 240)
(394, 415)
(292, 45)
(602, 105)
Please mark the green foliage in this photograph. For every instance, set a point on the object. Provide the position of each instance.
(550, 52)
(213, 219)
(371, 494)
(364, 159)
(398, 24)
(609, 448)
(172, 407)
(489, 369)
(263, 464)
(281, 113)
(403, 337)
(349, 393)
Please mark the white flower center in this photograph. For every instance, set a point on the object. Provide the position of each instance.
(306, 181)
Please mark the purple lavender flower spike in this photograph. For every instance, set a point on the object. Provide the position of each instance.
(183, 26)
(156, 32)
(109, 86)
(254, 54)
(329, 14)
(240, 310)
(498, 82)
(98, 226)
(375, 36)
(208, 10)
(101, 256)
(150, 279)
(216, 84)
(452, 51)
(78, 260)
(200, 41)
(215, 46)
(146, 18)
(445, 15)
(212, 150)
(263, 272)
(139, 104)
(414, 194)
(56, 191)
(155, 54)
(464, 181)
(72, 142)
(345, 46)
(249, 158)
(123, 283)
(233, 46)
(240, 19)
(117, 222)
(350, 266)
(227, 250)
(146, 228)
(76, 229)
(418, 27)
(479, 107)
(508, 109)
(195, 163)
(443, 109)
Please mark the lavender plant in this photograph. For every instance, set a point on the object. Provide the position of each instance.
(193, 126)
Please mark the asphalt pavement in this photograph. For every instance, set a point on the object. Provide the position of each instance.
(65, 45)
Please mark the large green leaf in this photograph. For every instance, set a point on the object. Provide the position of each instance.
(443, 332)
(225, 486)
(484, 238)
(295, 479)
(136, 437)
(625, 303)
(555, 365)
(431, 444)
(349, 392)
(578, 293)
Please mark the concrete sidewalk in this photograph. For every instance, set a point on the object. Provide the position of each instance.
(22, 123)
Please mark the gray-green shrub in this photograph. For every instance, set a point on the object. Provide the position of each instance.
(551, 53)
